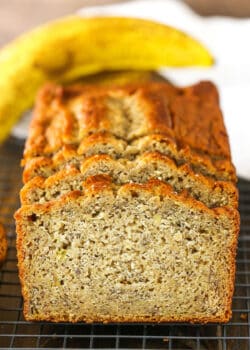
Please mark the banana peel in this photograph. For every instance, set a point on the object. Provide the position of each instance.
(67, 49)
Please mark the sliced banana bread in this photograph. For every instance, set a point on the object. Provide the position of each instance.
(136, 252)
(103, 143)
(129, 209)
(140, 170)
(188, 123)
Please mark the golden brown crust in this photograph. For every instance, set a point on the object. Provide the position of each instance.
(221, 169)
(101, 138)
(36, 166)
(228, 189)
(101, 143)
(198, 121)
(190, 116)
(3, 244)
(227, 186)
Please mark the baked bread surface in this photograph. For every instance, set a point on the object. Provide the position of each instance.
(129, 208)
(3, 244)
(186, 122)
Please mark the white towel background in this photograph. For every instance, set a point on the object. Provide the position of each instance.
(229, 42)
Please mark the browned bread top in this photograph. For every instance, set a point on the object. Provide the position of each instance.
(190, 116)
(3, 244)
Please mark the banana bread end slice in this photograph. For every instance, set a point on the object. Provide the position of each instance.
(136, 252)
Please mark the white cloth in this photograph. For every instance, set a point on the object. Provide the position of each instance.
(227, 40)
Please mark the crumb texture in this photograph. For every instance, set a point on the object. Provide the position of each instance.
(128, 253)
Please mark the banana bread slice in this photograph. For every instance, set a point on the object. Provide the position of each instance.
(103, 143)
(136, 252)
(140, 170)
(190, 117)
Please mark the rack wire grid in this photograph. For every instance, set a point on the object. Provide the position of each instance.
(16, 333)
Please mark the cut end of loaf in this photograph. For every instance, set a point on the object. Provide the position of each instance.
(132, 253)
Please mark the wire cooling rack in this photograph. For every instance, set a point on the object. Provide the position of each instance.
(16, 333)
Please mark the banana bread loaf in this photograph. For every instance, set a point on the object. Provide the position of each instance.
(129, 208)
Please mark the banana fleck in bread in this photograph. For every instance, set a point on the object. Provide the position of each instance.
(129, 208)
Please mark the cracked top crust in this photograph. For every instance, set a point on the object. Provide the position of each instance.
(190, 116)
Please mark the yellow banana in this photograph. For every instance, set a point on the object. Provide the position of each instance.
(72, 47)
(107, 78)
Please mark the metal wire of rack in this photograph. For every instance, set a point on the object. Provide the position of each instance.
(16, 333)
